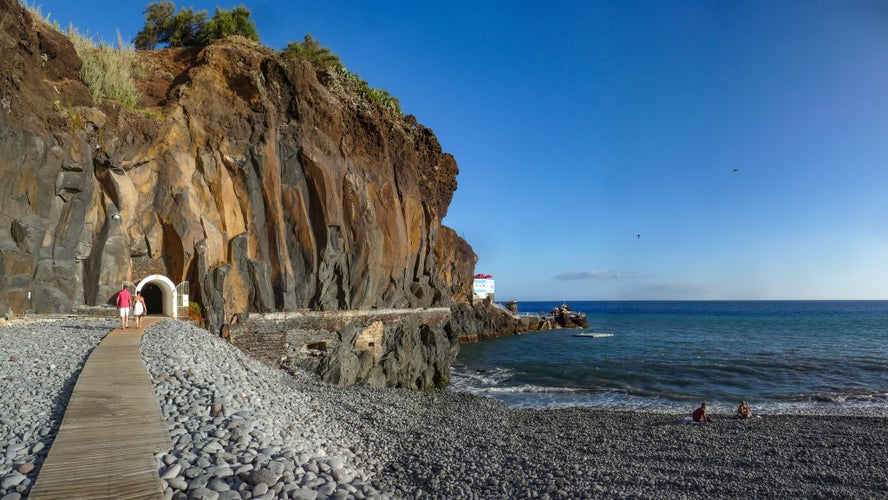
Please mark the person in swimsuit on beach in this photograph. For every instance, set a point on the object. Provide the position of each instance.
(139, 308)
(123, 303)
(743, 410)
(700, 415)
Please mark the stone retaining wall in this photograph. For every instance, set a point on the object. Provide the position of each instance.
(144, 266)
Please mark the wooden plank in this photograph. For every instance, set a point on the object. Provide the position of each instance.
(111, 430)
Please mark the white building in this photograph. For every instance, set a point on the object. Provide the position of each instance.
(483, 287)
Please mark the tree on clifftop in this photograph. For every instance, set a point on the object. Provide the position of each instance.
(187, 28)
(157, 17)
(163, 26)
(229, 22)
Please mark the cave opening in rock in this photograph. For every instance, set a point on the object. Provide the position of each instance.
(153, 298)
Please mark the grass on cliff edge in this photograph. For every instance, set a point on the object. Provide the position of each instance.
(108, 71)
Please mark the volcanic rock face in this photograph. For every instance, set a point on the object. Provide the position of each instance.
(485, 321)
(265, 183)
(408, 348)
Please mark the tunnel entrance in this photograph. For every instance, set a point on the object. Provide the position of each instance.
(153, 298)
(160, 295)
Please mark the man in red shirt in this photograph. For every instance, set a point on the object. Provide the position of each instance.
(123, 302)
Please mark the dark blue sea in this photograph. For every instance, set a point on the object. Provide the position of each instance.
(805, 357)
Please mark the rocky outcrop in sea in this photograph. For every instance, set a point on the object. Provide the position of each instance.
(483, 320)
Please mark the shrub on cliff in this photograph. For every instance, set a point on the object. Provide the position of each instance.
(321, 57)
(188, 28)
(229, 22)
(386, 101)
(311, 50)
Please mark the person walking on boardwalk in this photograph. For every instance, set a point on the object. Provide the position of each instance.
(139, 308)
(123, 303)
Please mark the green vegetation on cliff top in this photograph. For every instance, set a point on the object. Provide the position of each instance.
(187, 28)
(109, 71)
(321, 57)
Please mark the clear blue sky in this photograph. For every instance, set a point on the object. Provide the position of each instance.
(578, 125)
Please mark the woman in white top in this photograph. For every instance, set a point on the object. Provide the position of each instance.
(139, 308)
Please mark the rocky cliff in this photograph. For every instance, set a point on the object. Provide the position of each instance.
(486, 321)
(266, 183)
(409, 348)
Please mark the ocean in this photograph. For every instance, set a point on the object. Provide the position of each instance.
(783, 357)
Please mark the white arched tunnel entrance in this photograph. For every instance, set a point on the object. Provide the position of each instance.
(161, 290)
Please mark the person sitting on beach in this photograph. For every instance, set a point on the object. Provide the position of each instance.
(700, 415)
(743, 410)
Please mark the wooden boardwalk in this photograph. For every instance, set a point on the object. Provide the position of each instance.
(112, 428)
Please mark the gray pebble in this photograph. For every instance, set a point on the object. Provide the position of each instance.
(12, 480)
(199, 482)
(261, 476)
(177, 483)
(173, 471)
(203, 494)
(304, 494)
(276, 467)
(218, 485)
(193, 472)
(220, 471)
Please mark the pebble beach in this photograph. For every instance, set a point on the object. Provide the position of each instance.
(244, 430)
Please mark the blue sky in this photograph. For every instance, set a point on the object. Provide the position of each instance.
(578, 126)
